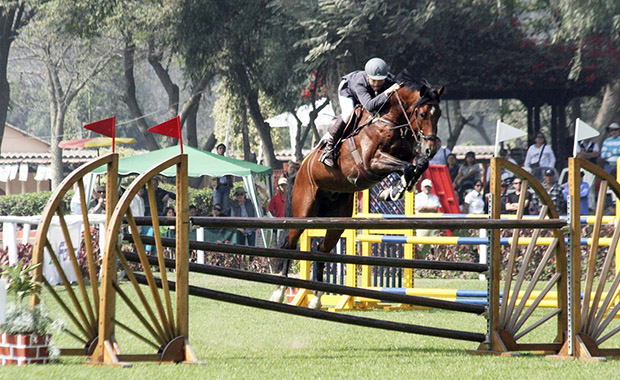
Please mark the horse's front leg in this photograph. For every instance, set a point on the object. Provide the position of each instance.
(410, 173)
(414, 172)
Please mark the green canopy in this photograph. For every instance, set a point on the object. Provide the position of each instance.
(200, 163)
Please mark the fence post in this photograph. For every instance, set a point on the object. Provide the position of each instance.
(200, 236)
(9, 240)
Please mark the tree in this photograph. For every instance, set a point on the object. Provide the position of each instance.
(69, 65)
(14, 15)
(595, 24)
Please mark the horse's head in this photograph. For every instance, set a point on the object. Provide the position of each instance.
(421, 108)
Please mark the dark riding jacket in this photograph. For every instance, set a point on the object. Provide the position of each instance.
(356, 87)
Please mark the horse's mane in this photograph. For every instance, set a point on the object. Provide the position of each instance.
(406, 79)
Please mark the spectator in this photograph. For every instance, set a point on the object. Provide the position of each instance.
(588, 150)
(161, 198)
(193, 211)
(506, 174)
(474, 200)
(555, 192)
(137, 204)
(610, 151)
(277, 204)
(539, 157)
(243, 207)
(503, 196)
(97, 204)
(425, 201)
(468, 174)
(584, 191)
(168, 231)
(441, 157)
(221, 186)
(291, 169)
(512, 199)
(453, 166)
(218, 210)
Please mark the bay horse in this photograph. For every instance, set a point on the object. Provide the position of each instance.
(400, 138)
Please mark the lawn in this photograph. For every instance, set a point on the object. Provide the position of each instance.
(237, 342)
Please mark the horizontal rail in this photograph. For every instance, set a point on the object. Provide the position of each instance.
(324, 315)
(321, 257)
(583, 219)
(465, 240)
(320, 286)
(358, 223)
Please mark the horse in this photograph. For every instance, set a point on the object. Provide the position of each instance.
(400, 138)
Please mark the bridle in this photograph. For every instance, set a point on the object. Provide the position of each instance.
(420, 134)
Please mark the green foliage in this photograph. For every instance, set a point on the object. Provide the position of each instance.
(20, 319)
(24, 204)
(19, 280)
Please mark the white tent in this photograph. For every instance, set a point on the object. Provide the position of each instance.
(325, 118)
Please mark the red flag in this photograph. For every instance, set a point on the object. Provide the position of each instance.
(171, 128)
(106, 127)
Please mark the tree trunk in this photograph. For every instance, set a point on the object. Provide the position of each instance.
(190, 125)
(610, 107)
(245, 132)
(210, 144)
(58, 122)
(459, 123)
(189, 111)
(170, 87)
(129, 96)
(5, 88)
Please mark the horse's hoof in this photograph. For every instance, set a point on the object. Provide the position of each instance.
(278, 295)
(384, 195)
(315, 303)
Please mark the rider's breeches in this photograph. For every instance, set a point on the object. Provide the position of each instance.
(346, 104)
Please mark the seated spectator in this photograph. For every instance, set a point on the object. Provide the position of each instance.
(474, 200)
(97, 204)
(453, 166)
(584, 190)
(610, 151)
(468, 174)
(539, 157)
(588, 150)
(512, 199)
(218, 210)
(161, 198)
(504, 196)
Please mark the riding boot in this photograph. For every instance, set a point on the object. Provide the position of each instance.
(328, 157)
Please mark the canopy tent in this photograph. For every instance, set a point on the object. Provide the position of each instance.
(200, 163)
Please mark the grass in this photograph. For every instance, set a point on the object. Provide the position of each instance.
(238, 342)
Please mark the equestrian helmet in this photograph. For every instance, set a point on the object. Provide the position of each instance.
(376, 69)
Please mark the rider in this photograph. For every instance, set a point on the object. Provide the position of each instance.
(371, 88)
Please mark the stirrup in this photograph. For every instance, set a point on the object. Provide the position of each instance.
(327, 158)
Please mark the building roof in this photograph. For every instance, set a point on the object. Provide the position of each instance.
(44, 158)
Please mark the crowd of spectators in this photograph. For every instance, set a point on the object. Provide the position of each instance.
(470, 179)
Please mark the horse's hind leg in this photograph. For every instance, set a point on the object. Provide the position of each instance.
(343, 207)
(290, 243)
